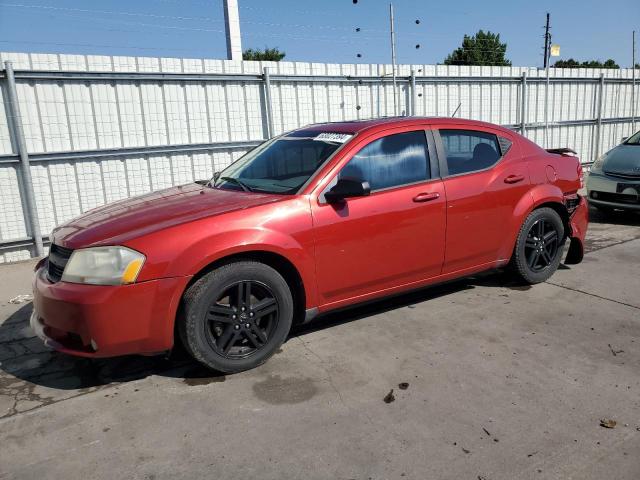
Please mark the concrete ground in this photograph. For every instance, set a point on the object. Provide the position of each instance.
(502, 382)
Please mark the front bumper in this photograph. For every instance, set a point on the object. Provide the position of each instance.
(106, 321)
(607, 191)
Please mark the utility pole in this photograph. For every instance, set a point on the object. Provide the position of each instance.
(547, 41)
(393, 60)
(232, 29)
(547, 48)
(633, 83)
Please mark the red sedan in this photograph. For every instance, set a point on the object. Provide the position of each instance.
(323, 217)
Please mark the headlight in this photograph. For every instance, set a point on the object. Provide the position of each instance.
(597, 165)
(103, 266)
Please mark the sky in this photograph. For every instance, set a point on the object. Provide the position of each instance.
(320, 31)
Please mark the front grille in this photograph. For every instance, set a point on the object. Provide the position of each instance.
(58, 258)
(615, 197)
(632, 176)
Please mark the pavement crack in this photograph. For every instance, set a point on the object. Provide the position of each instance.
(594, 248)
(324, 367)
(595, 295)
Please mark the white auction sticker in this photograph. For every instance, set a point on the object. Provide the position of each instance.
(333, 137)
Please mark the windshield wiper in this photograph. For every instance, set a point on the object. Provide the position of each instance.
(240, 183)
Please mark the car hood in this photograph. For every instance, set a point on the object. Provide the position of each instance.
(623, 159)
(133, 217)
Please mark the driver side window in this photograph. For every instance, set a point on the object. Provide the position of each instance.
(391, 161)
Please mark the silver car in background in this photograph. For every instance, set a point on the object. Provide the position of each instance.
(614, 179)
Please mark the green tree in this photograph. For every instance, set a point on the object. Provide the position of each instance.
(268, 54)
(483, 48)
(571, 63)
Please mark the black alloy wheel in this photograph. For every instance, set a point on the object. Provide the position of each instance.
(236, 316)
(538, 250)
(541, 245)
(242, 319)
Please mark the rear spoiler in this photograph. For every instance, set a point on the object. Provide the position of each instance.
(565, 152)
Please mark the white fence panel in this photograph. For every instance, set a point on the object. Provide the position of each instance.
(132, 125)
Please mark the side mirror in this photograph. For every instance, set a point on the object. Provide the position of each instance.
(347, 188)
(624, 139)
(216, 176)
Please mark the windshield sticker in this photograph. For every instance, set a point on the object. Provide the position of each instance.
(333, 137)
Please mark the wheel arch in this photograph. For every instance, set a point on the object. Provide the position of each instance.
(278, 262)
(539, 197)
(562, 211)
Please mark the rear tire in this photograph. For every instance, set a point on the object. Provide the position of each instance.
(236, 316)
(538, 249)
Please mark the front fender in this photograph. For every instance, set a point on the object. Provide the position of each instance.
(283, 229)
(216, 247)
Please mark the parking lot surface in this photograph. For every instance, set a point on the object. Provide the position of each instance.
(479, 379)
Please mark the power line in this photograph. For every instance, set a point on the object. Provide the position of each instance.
(94, 45)
(208, 19)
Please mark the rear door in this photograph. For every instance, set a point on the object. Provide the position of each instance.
(484, 180)
(393, 237)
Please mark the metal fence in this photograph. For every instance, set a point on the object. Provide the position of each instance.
(81, 131)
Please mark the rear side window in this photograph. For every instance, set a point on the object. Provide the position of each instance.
(391, 161)
(469, 150)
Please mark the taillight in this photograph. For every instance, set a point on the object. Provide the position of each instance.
(580, 174)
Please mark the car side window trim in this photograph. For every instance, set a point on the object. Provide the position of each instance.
(433, 165)
(442, 154)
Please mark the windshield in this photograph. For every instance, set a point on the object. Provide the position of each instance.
(633, 140)
(281, 165)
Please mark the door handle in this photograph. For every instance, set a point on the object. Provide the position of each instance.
(426, 197)
(514, 179)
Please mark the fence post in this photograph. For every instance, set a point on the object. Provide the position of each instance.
(523, 104)
(596, 152)
(29, 204)
(412, 81)
(267, 98)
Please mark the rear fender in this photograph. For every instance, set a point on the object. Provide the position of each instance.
(520, 212)
(538, 195)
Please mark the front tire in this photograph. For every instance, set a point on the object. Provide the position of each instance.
(538, 249)
(236, 316)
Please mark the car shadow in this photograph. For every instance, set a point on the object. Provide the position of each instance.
(24, 356)
(616, 217)
(349, 314)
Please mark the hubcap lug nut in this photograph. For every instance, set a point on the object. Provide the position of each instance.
(247, 325)
(234, 316)
(237, 327)
(251, 314)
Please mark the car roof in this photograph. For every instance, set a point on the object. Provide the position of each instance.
(360, 126)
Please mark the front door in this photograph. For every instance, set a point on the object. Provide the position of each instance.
(395, 236)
